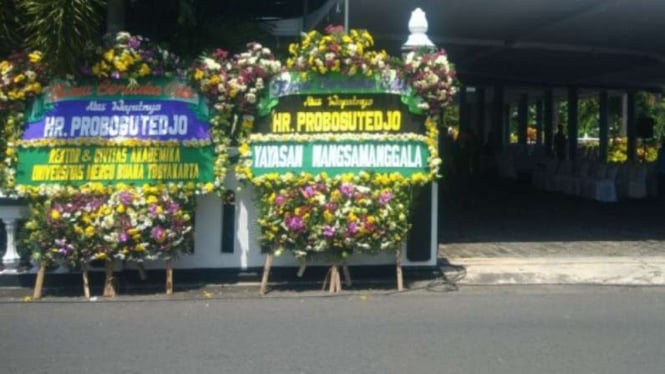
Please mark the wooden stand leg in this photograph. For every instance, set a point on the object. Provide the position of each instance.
(347, 275)
(142, 273)
(327, 279)
(169, 277)
(398, 269)
(266, 274)
(39, 282)
(86, 282)
(109, 289)
(301, 269)
(335, 279)
(338, 281)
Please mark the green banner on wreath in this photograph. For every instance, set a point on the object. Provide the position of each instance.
(334, 158)
(130, 165)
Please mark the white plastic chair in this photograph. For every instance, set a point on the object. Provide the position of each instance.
(604, 189)
(564, 171)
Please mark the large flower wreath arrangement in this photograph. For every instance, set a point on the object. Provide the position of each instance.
(98, 222)
(22, 77)
(130, 57)
(315, 214)
(147, 223)
(432, 77)
(233, 86)
(76, 225)
(309, 214)
(336, 51)
(63, 229)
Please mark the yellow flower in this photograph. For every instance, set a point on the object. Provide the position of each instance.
(120, 209)
(19, 78)
(144, 70)
(151, 199)
(108, 55)
(55, 214)
(244, 149)
(198, 74)
(35, 57)
(120, 65)
(89, 231)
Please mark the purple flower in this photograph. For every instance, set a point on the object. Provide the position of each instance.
(123, 237)
(385, 197)
(351, 229)
(133, 43)
(328, 231)
(346, 189)
(295, 223)
(115, 75)
(308, 192)
(330, 206)
(126, 198)
(173, 208)
(153, 209)
(157, 233)
(280, 200)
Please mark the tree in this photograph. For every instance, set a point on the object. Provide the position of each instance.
(62, 29)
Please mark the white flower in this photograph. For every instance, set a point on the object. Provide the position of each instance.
(211, 64)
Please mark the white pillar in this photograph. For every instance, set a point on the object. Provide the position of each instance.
(11, 258)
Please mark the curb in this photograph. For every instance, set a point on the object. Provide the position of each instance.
(631, 271)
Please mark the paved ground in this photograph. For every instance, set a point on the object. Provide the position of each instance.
(513, 220)
(512, 330)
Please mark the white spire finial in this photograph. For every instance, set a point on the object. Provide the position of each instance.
(418, 28)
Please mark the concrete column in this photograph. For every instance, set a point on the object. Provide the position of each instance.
(631, 127)
(505, 129)
(11, 258)
(539, 122)
(548, 121)
(572, 123)
(603, 124)
(463, 114)
(496, 130)
(522, 118)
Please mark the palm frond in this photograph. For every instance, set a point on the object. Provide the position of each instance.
(62, 28)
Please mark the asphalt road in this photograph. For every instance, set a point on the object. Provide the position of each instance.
(474, 330)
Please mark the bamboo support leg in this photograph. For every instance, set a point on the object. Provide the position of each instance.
(333, 279)
(398, 269)
(86, 282)
(39, 282)
(169, 277)
(266, 274)
(327, 279)
(109, 288)
(338, 281)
